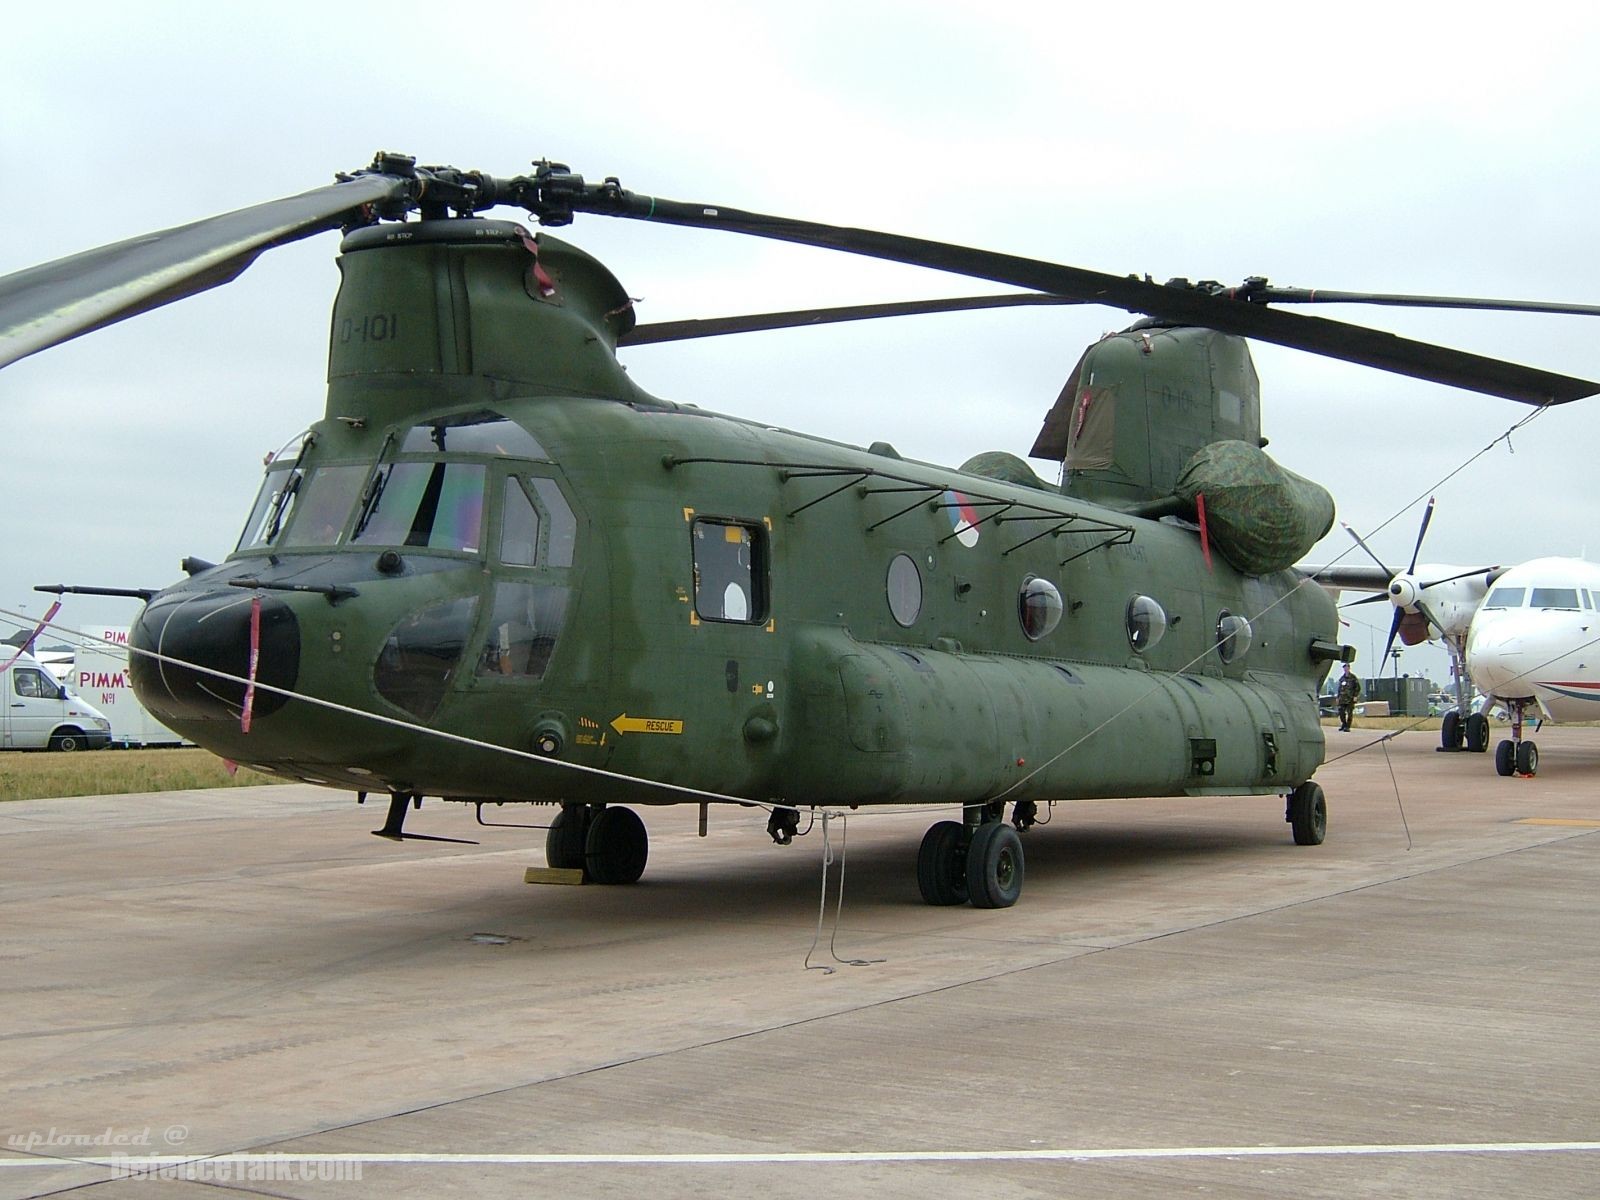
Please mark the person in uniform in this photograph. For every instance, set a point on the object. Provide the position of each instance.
(1349, 692)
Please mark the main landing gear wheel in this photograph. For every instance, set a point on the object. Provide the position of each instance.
(1505, 757)
(942, 864)
(1527, 758)
(1308, 814)
(564, 842)
(1477, 733)
(994, 866)
(617, 846)
(1450, 732)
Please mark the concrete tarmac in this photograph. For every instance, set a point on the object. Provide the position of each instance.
(1183, 1002)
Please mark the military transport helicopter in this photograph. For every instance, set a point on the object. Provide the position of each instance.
(499, 570)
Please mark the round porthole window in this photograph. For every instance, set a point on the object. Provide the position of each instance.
(1233, 636)
(905, 590)
(1038, 607)
(1147, 623)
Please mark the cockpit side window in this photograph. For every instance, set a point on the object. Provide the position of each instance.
(271, 509)
(519, 527)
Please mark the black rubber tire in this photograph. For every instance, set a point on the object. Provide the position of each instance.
(1527, 759)
(1450, 732)
(617, 846)
(565, 840)
(994, 866)
(942, 864)
(1308, 814)
(67, 740)
(1477, 733)
(1505, 757)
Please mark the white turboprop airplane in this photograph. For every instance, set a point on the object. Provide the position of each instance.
(1528, 637)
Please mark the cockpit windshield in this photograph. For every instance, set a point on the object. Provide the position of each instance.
(434, 504)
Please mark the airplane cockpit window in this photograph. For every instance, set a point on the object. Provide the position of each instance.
(480, 432)
(1147, 623)
(1233, 636)
(904, 588)
(1554, 598)
(1039, 607)
(523, 627)
(436, 505)
(326, 497)
(1505, 598)
(729, 571)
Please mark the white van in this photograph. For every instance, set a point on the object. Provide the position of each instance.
(37, 713)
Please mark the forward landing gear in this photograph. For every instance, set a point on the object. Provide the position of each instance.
(1514, 756)
(609, 845)
(979, 861)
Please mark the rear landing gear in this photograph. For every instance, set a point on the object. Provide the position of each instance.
(1307, 814)
(980, 862)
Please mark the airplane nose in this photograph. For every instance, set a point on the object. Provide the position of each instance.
(211, 630)
(1498, 660)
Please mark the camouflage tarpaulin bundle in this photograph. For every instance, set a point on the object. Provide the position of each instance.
(1260, 517)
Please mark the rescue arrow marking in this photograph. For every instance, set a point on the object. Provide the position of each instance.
(627, 724)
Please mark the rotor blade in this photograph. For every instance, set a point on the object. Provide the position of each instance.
(45, 305)
(559, 197)
(1427, 516)
(1283, 295)
(672, 331)
(1368, 549)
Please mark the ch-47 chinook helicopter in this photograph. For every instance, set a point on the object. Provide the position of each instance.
(499, 570)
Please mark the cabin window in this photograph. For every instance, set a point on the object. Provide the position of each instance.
(523, 626)
(1039, 607)
(1147, 623)
(1505, 598)
(729, 571)
(326, 497)
(420, 656)
(480, 432)
(519, 527)
(436, 505)
(1233, 636)
(1554, 598)
(904, 590)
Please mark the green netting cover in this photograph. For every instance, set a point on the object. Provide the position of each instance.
(1260, 517)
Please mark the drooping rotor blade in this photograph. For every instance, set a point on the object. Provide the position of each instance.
(555, 195)
(672, 331)
(1285, 295)
(46, 305)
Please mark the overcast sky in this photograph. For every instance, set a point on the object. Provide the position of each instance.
(1407, 148)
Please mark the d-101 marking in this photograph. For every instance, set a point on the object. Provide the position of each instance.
(627, 724)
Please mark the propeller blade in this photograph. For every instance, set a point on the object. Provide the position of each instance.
(1284, 295)
(1368, 549)
(555, 196)
(1380, 598)
(43, 306)
(1427, 516)
(1394, 630)
(672, 331)
(1462, 575)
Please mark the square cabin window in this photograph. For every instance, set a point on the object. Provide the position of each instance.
(730, 571)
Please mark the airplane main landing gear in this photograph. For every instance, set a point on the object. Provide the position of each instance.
(980, 862)
(1477, 732)
(1451, 735)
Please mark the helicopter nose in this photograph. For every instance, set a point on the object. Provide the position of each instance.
(211, 630)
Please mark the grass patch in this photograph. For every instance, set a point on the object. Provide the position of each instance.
(36, 774)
